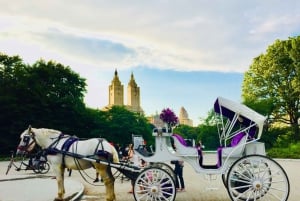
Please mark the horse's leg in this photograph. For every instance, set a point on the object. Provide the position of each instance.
(59, 172)
(108, 179)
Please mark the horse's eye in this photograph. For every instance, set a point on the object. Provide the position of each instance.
(26, 139)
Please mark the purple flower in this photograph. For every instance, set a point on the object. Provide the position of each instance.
(168, 117)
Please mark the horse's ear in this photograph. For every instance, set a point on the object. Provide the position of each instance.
(29, 129)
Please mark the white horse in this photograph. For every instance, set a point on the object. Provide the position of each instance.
(59, 144)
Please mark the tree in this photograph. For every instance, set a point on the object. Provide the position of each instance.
(46, 94)
(122, 123)
(168, 117)
(188, 132)
(57, 92)
(13, 72)
(272, 84)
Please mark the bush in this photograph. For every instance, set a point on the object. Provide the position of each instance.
(292, 151)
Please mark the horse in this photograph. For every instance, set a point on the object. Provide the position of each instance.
(63, 152)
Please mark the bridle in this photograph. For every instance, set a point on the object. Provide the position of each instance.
(25, 143)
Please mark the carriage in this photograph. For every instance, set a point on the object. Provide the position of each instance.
(247, 173)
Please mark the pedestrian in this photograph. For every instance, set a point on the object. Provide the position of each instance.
(134, 159)
(178, 171)
(130, 152)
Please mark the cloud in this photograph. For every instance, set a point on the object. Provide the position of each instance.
(184, 36)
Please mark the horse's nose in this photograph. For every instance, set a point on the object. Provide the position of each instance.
(19, 152)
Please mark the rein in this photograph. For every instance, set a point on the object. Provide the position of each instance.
(80, 169)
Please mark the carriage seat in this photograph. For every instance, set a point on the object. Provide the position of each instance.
(142, 149)
(235, 149)
(182, 148)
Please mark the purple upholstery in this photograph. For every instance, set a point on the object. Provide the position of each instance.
(226, 112)
(180, 139)
(236, 139)
(219, 162)
(252, 132)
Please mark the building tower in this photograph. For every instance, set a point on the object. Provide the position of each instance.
(184, 117)
(116, 91)
(133, 94)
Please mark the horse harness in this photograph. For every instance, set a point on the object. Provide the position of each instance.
(53, 150)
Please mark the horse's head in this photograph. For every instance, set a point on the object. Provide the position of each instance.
(27, 142)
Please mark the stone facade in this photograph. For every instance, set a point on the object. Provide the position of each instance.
(116, 94)
(184, 117)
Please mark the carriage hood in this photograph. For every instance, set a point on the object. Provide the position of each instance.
(229, 108)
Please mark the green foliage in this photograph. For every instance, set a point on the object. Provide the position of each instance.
(46, 94)
(291, 151)
(206, 132)
(187, 131)
(122, 123)
(272, 84)
(209, 136)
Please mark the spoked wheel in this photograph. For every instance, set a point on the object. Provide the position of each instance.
(257, 177)
(224, 179)
(42, 168)
(154, 184)
(166, 167)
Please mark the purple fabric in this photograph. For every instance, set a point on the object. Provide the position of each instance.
(219, 162)
(180, 139)
(236, 139)
(229, 113)
(252, 132)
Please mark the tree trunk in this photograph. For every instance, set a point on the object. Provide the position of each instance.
(296, 130)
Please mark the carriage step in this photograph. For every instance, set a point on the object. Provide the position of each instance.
(212, 178)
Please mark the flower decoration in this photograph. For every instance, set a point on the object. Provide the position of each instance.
(168, 117)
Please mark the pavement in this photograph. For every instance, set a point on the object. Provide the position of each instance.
(28, 186)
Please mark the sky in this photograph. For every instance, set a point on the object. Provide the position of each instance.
(182, 53)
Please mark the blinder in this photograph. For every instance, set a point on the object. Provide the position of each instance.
(25, 142)
(26, 139)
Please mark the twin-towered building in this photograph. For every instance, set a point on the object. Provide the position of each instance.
(116, 94)
(116, 97)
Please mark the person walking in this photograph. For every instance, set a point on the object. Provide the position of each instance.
(178, 170)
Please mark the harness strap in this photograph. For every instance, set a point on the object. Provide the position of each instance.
(52, 147)
(66, 146)
(100, 140)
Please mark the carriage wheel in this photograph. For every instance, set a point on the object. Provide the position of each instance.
(154, 184)
(224, 179)
(166, 167)
(257, 177)
(42, 168)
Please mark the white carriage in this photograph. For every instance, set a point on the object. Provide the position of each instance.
(247, 173)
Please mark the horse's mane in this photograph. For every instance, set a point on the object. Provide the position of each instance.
(46, 131)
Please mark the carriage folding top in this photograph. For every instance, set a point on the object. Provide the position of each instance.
(239, 118)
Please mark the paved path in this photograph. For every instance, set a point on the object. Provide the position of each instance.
(198, 188)
(28, 186)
